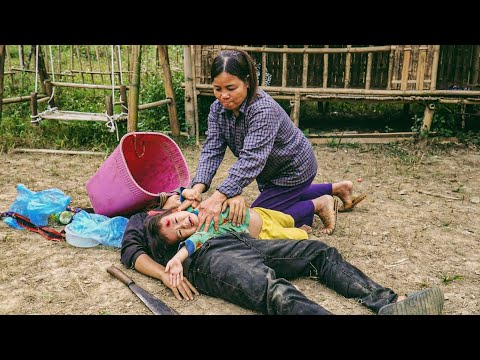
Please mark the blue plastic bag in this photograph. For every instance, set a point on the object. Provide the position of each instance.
(90, 229)
(37, 206)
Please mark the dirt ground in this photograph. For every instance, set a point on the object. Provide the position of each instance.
(420, 226)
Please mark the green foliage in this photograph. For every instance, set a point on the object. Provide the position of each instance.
(447, 279)
(337, 143)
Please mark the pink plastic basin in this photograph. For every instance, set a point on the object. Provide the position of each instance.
(143, 165)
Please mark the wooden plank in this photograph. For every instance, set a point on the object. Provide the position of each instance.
(350, 140)
(305, 69)
(75, 116)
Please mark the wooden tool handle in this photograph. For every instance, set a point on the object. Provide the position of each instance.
(120, 275)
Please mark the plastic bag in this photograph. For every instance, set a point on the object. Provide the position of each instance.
(37, 206)
(88, 230)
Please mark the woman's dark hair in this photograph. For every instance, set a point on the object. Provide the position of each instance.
(239, 64)
(156, 240)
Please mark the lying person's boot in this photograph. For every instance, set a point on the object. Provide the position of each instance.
(424, 302)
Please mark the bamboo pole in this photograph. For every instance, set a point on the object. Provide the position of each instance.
(428, 117)
(154, 104)
(348, 64)
(405, 67)
(80, 62)
(195, 99)
(20, 57)
(124, 99)
(49, 89)
(134, 92)
(476, 65)
(422, 57)
(436, 56)
(368, 76)
(63, 152)
(34, 107)
(284, 67)
(42, 71)
(119, 65)
(97, 56)
(25, 98)
(169, 91)
(71, 58)
(325, 50)
(325, 69)
(296, 110)
(305, 69)
(390, 68)
(85, 86)
(109, 104)
(2, 69)
(59, 62)
(90, 63)
(189, 105)
(264, 68)
(293, 90)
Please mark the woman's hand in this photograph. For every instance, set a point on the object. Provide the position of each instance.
(238, 209)
(175, 270)
(210, 209)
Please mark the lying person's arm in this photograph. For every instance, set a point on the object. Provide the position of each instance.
(174, 267)
(134, 256)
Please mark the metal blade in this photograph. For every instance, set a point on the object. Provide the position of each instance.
(157, 306)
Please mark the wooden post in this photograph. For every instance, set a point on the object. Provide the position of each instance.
(325, 69)
(79, 55)
(97, 56)
(390, 67)
(407, 50)
(3, 49)
(59, 59)
(284, 67)
(189, 105)
(348, 64)
(42, 71)
(428, 117)
(71, 61)
(422, 57)
(476, 66)
(305, 68)
(169, 91)
(20, 57)
(368, 76)
(124, 99)
(90, 63)
(263, 74)
(134, 92)
(295, 115)
(109, 104)
(34, 107)
(49, 91)
(195, 93)
(436, 57)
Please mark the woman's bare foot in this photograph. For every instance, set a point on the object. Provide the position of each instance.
(306, 228)
(326, 208)
(343, 190)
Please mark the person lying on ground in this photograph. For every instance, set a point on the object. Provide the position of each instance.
(256, 274)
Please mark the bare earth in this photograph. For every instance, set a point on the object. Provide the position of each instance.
(402, 238)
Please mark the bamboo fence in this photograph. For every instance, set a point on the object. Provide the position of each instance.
(427, 74)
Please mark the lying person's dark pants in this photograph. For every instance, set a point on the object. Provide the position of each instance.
(254, 274)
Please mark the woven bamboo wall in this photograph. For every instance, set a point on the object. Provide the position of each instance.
(411, 67)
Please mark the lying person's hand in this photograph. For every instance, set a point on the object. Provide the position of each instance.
(191, 198)
(175, 270)
(238, 209)
(184, 290)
